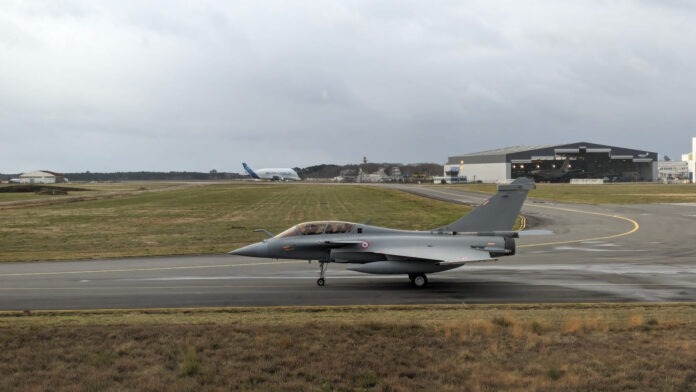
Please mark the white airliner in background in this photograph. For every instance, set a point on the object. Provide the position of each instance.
(283, 174)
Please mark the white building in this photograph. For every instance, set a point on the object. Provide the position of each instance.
(379, 176)
(672, 170)
(41, 177)
(690, 159)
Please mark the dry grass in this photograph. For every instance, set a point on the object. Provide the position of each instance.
(579, 326)
(636, 321)
(598, 347)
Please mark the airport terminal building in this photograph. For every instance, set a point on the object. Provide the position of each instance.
(555, 163)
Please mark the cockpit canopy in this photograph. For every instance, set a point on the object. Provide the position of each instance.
(321, 227)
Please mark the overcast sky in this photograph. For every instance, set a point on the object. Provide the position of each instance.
(180, 85)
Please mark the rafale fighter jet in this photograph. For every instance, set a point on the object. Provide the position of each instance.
(482, 235)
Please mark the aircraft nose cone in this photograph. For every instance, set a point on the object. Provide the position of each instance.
(258, 249)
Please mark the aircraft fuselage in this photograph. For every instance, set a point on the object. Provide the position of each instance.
(368, 245)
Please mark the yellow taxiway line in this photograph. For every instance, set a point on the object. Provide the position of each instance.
(635, 228)
(523, 224)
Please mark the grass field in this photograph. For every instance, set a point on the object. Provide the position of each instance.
(600, 347)
(603, 194)
(201, 219)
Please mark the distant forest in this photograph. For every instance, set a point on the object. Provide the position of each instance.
(317, 171)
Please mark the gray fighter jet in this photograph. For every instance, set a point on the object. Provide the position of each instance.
(482, 235)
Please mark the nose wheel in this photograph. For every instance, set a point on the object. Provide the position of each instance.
(322, 270)
(418, 280)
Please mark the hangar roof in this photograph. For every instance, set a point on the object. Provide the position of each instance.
(36, 173)
(505, 150)
(508, 154)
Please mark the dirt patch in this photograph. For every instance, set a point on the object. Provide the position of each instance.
(40, 189)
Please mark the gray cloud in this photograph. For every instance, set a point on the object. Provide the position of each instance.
(178, 86)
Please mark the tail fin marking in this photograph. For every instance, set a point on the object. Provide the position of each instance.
(251, 172)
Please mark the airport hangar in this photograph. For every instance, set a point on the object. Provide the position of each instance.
(587, 160)
(41, 177)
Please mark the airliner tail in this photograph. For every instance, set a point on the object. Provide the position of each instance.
(251, 172)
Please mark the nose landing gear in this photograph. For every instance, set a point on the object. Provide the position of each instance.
(322, 270)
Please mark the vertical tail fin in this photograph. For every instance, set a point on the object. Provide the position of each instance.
(497, 213)
(251, 172)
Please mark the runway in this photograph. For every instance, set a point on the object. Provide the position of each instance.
(595, 254)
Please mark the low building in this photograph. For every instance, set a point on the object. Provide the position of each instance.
(555, 163)
(672, 170)
(41, 177)
(379, 176)
(690, 159)
(396, 174)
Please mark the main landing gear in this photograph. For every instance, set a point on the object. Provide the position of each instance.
(418, 280)
(322, 270)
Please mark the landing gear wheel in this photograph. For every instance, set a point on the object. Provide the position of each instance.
(322, 270)
(420, 280)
